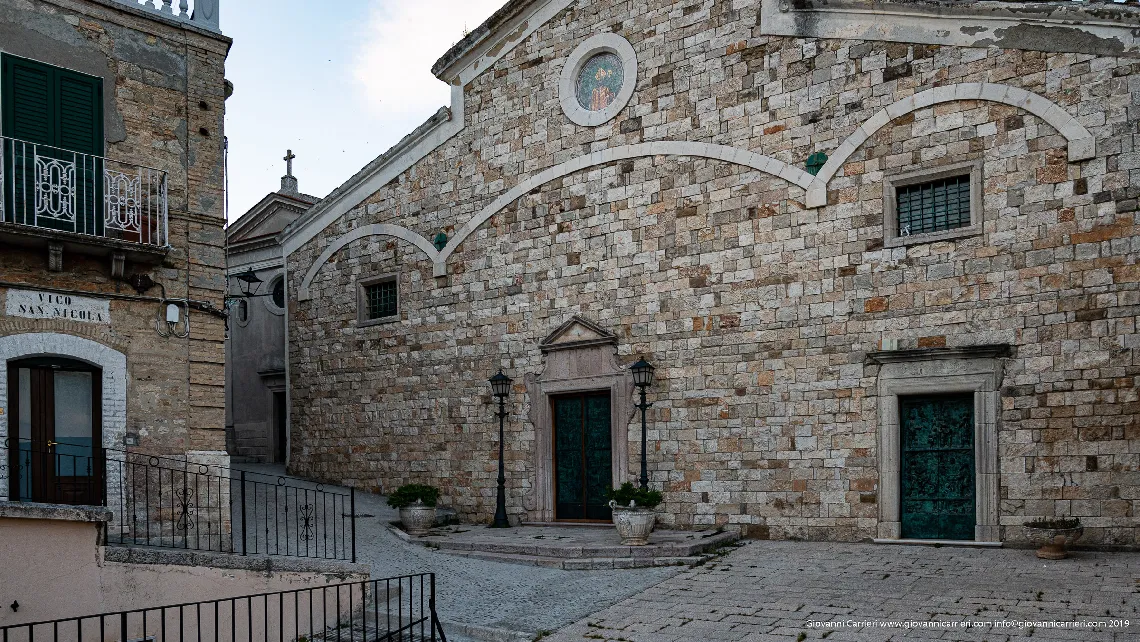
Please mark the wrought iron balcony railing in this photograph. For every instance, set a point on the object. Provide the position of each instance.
(55, 189)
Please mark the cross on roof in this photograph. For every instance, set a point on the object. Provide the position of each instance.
(289, 156)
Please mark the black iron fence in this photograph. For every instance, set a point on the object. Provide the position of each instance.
(178, 503)
(395, 609)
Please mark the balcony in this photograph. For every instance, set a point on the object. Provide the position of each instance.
(81, 203)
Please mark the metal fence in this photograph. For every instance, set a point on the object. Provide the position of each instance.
(395, 609)
(176, 503)
(57, 189)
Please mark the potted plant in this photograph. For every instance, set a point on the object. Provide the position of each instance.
(417, 507)
(633, 513)
(1052, 536)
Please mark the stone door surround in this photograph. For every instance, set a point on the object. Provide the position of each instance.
(976, 369)
(580, 356)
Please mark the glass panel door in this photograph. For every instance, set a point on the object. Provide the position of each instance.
(58, 458)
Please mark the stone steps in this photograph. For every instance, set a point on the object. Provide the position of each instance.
(673, 549)
(580, 563)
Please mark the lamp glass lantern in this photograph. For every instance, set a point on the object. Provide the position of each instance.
(642, 373)
(250, 282)
(501, 384)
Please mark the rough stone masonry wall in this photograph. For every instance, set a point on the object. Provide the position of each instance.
(757, 311)
(164, 104)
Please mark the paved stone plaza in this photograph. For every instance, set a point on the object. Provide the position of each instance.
(775, 590)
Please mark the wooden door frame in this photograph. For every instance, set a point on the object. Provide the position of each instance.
(52, 365)
(580, 394)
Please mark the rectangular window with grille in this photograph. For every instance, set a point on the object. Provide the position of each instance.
(933, 206)
(380, 300)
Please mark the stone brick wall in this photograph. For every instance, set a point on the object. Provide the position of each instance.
(758, 311)
(164, 106)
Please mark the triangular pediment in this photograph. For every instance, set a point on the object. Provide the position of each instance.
(577, 332)
(273, 214)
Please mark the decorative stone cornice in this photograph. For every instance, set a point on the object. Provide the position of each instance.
(988, 351)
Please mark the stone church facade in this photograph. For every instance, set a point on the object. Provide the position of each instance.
(859, 247)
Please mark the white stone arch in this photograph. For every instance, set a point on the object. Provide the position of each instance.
(49, 344)
(725, 153)
(376, 229)
(1082, 145)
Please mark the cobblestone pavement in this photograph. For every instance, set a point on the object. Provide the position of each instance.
(497, 596)
(776, 590)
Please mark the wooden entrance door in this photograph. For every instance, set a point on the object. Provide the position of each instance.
(938, 467)
(55, 453)
(583, 468)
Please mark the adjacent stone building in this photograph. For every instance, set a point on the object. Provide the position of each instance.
(111, 268)
(255, 343)
(882, 255)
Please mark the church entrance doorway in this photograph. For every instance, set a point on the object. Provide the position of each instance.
(583, 463)
(56, 450)
(938, 471)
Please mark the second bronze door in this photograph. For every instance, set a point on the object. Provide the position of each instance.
(582, 456)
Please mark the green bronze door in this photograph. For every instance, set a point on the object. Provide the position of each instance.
(937, 466)
(582, 465)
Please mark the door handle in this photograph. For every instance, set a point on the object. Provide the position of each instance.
(52, 444)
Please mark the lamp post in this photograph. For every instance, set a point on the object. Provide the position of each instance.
(501, 386)
(643, 378)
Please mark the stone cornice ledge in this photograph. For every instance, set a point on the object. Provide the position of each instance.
(988, 351)
(56, 512)
(1065, 27)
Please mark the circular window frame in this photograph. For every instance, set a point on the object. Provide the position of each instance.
(568, 82)
(269, 304)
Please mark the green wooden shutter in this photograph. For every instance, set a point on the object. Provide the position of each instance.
(29, 105)
(61, 112)
(80, 129)
(80, 113)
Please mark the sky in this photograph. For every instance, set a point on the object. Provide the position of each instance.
(338, 87)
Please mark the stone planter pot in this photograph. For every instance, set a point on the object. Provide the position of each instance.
(417, 519)
(1052, 542)
(633, 524)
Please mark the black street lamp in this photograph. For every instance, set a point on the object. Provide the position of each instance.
(250, 282)
(643, 378)
(501, 386)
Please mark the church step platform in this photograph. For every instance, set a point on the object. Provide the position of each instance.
(572, 548)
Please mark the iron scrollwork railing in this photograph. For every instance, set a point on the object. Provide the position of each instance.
(175, 503)
(51, 188)
(390, 610)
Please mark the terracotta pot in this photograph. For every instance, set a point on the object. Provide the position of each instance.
(417, 518)
(1052, 542)
(633, 524)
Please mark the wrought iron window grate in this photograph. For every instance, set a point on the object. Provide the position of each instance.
(381, 298)
(934, 206)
